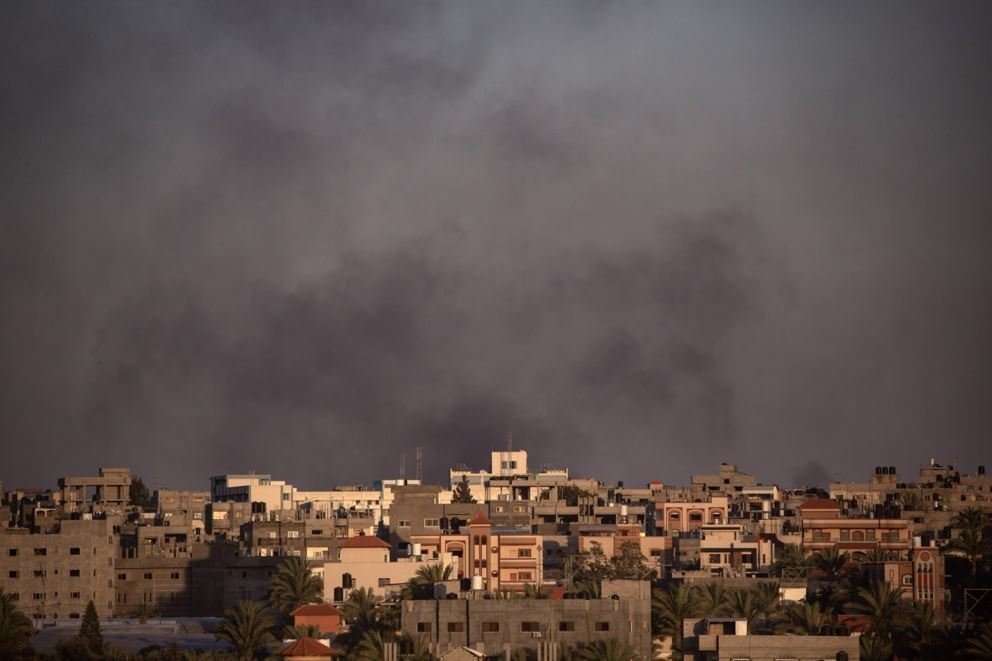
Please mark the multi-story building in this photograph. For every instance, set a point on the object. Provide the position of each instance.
(367, 562)
(54, 575)
(182, 508)
(683, 517)
(727, 639)
(109, 492)
(492, 627)
(823, 528)
(502, 559)
(728, 481)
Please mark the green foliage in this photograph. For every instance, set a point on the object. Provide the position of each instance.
(89, 630)
(421, 586)
(246, 628)
(296, 632)
(979, 645)
(669, 607)
(875, 647)
(713, 598)
(463, 492)
(15, 629)
(804, 619)
(880, 604)
(139, 494)
(790, 561)
(294, 585)
(830, 563)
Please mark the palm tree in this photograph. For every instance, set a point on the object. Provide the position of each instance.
(143, 611)
(971, 545)
(670, 607)
(876, 555)
(790, 561)
(415, 648)
(805, 619)
(421, 586)
(294, 585)
(15, 628)
(980, 644)
(830, 562)
(923, 630)
(744, 603)
(610, 649)
(534, 591)
(360, 610)
(970, 518)
(880, 603)
(712, 599)
(767, 594)
(246, 629)
(297, 631)
(875, 647)
(371, 647)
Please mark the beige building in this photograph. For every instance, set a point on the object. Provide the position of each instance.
(109, 492)
(727, 639)
(365, 562)
(52, 576)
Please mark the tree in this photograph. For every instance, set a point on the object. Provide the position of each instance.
(970, 544)
(970, 518)
(463, 492)
(980, 645)
(743, 603)
(359, 610)
(880, 604)
(421, 586)
(139, 493)
(610, 649)
(294, 585)
(629, 563)
(830, 562)
(246, 628)
(295, 632)
(15, 629)
(767, 595)
(89, 630)
(371, 647)
(875, 647)
(669, 607)
(790, 562)
(804, 619)
(143, 611)
(712, 599)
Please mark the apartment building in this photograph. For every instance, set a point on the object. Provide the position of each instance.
(367, 562)
(493, 627)
(53, 575)
(109, 492)
(727, 639)
(728, 481)
(502, 559)
(182, 508)
(679, 518)
(823, 528)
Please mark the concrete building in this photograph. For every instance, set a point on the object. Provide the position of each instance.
(499, 626)
(366, 562)
(920, 576)
(502, 559)
(681, 517)
(728, 551)
(182, 508)
(727, 639)
(728, 481)
(52, 576)
(823, 528)
(109, 492)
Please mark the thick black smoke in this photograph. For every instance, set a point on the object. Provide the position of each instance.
(306, 240)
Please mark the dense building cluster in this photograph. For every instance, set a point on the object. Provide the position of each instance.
(511, 558)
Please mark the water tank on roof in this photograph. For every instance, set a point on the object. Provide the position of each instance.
(476, 582)
(415, 549)
(878, 470)
(892, 470)
(981, 470)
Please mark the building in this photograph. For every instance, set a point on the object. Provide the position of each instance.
(366, 562)
(727, 639)
(823, 528)
(682, 517)
(109, 492)
(728, 551)
(920, 576)
(728, 481)
(502, 559)
(325, 617)
(53, 576)
(500, 626)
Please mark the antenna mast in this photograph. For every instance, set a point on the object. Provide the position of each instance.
(420, 463)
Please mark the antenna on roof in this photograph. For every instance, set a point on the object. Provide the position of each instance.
(420, 463)
(509, 440)
(403, 466)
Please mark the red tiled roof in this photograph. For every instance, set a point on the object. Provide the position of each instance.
(316, 609)
(306, 647)
(364, 542)
(480, 519)
(820, 504)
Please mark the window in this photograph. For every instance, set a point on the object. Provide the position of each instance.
(714, 558)
(404, 523)
(456, 627)
(317, 533)
(38, 596)
(293, 534)
(383, 582)
(41, 551)
(74, 550)
(432, 523)
(530, 626)
(74, 616)
(12, 553)
(907, 580)
(523, 553)
(12, 574)
(74, 572)
(566, 626)
(525, 576)
(696, 517)
(174, 576)
(148, 576)
(39, 573)
(74, 595)
(423, 627)
(122, 577)
(602, 626)
(845, 535)
(490, 627)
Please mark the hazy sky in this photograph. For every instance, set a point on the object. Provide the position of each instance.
(304, 238)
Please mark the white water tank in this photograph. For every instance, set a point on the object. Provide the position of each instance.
(415, 549)
(623, 510)
(477, 583)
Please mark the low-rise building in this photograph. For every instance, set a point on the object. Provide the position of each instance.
(727, 639)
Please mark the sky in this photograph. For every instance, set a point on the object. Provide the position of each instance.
(306, 238)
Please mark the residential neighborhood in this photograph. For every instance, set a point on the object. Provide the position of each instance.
(504, 561)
